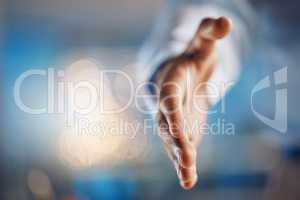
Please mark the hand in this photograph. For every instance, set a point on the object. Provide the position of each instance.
(183, 101)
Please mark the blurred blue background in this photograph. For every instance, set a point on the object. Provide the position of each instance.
(41, 34)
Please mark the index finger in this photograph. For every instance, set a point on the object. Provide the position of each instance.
(186, 172)
(181, 145)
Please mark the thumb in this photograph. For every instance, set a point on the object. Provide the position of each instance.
(209, 31)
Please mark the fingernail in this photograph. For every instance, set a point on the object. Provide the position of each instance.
(187, 185)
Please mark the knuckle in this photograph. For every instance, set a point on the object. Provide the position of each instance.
(187, 157)
(169, 105)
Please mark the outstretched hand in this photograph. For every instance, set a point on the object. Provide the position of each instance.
(183, 101)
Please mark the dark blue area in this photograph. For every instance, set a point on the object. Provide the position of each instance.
(104, 187)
